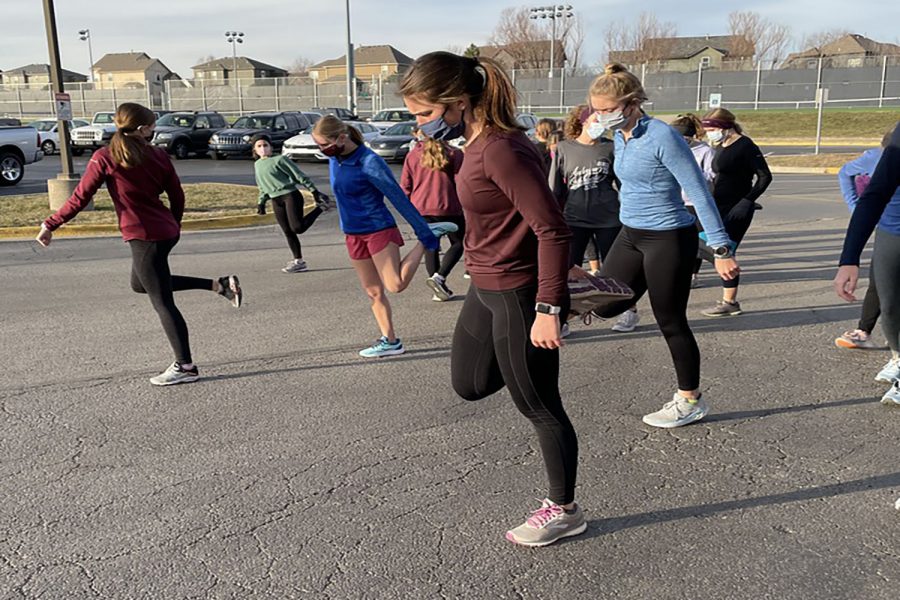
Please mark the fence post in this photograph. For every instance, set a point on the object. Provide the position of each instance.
(277, 99)
(84, 112)
(643, 73)
(315, 91)
(19, 100)
(562, 87)
(819, 77)
(240, 96)
(758, 77)
(149, 96)
(699, 83)
(115, 101)
(203, 94)
(883, 79)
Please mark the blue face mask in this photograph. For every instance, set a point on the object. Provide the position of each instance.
(595, 130)
(438, 129)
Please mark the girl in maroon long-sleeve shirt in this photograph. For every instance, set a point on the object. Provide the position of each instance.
(136, 173)
(517, 252)
(429, 179)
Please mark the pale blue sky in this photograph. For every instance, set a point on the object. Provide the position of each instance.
(279, 31)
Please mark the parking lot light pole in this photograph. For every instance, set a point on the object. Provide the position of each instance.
(85, 36)
(350, 77)
(61, 188)
(554, 13)
(234, 37)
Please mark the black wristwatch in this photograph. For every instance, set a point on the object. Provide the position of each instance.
(547, 309)
(722, 252)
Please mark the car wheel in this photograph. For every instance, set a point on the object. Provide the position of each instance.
(77, 151)
(217, 155)
(48, 147)
(12, 169)
(180, 150)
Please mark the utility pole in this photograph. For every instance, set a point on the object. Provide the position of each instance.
(85, 36)
(351, 106)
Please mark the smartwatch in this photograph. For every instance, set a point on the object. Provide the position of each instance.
(547, 309)
(722, 252)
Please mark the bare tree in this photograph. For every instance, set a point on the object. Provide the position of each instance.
(528, 40)
(455, 49)
(819, 39)
(645, 41)
(300, 66)
(754, 35)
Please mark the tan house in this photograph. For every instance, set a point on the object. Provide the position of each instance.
(134, 70)
(39, 75)
(223, 69)
(687, 54)
(852, 50)
(368, 63)
(526, 55)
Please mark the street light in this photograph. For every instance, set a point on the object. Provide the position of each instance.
(553, 12)
(234, 37)
(350, 87)
(85, 36)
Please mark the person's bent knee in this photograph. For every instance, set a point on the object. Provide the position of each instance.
(137, 288)
(395, 287)
(468, 393)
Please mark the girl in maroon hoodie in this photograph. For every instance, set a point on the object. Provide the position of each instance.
(429, 179)
(136, 173)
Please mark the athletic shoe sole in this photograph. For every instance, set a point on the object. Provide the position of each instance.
(675, 424)
(433, 285)
(623, 329)
(728, 314)
(880, 379)
(577, 531)
(190, 379)
(845, 343)
(289, 270)
(889, 401)
(385, 354)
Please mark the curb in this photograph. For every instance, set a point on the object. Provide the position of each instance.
(804, 170)
(113, 229)
(857, 142)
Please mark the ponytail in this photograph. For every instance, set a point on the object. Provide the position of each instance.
(434, 155)
(128, 146)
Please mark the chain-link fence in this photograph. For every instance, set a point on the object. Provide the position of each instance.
(862, 82)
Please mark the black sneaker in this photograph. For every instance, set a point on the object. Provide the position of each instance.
(230, 288)
(260, 209)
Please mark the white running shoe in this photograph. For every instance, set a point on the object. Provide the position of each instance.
(627, 321)
(892, 397)
(678, 412)
(176, 374)
(564, 330)
(437, 285)
(298, 265)
(890, 372)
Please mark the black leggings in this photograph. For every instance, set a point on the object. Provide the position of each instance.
(871, 308)
(289, 214)
(433, 262)
(660, 263)
(492, 348)
(602, 237)
(736, 230)
(150, 275)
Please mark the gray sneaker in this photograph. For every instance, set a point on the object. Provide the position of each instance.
(548, 524)
(627, 322)
(892, 397)
(677, 413)
(890, 372)
(298, 265)
(723, 309)
(437, 285)
(176, 374)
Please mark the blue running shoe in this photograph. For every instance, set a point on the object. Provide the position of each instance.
(442, 228)
(383, 348)
(890, 372)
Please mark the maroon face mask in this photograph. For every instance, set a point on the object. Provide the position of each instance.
(331, 149)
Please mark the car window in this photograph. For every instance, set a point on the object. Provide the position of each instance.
(280, 124)
(219, 121)
(80, 123)
(251, 122)
(202, 123)
(302, 121)
(103, 118)
(44, 125)
(400, 129)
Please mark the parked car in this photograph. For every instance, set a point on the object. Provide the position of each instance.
(97, 134)
(184, 133)
(529, 122)
(10, 122)
(390, 116)
(303, 147)
(312, 116)
(235, 140)
(49, 133)
(394, 143)
(341, 113)
(19, 146)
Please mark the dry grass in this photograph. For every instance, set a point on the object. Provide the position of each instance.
(202, 201)
(811, 160)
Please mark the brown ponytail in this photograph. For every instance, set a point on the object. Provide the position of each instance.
(330, 127)
(444, 78)
(128, 146)
(575, 121)
(434, 155)
(689, 125)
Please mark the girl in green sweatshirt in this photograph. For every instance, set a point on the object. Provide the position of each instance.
(277, 178)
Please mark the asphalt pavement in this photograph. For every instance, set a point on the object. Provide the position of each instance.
(296, 469)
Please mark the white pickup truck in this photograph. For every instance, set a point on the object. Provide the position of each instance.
(19, 146)
(97, 134)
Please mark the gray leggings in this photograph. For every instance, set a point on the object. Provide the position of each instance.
(886, 269)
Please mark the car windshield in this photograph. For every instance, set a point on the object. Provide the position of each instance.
(400, 129)
(176, 120)
(44, 125)
(253, 123)
(309, 129)
(103, 118)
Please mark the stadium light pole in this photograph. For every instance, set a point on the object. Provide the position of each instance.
(554, 12)
(350, 75)
(85, 36)
(234, 37)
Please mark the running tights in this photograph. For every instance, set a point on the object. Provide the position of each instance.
(660, 263)
(886, 269)
(433, 262)
(601, 237)
(871, 308)
(150, 275)
(491, 349)
(289, 214)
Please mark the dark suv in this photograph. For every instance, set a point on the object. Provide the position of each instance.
(235, 141)
(341, 113)
(181, 133)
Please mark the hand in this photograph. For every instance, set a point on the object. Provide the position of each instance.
(428, 239)
(44, 237)
(727, 268)
(545, 332)
(845, 282)
(741, 211)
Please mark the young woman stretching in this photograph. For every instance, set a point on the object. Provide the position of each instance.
(136, 173)
(361, 180)
(277, 179)
(517, 252)
(657, 246)
(428, 178)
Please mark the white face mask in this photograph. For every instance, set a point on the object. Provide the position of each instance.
(716, 136)
(611, 121)
(595, 130)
